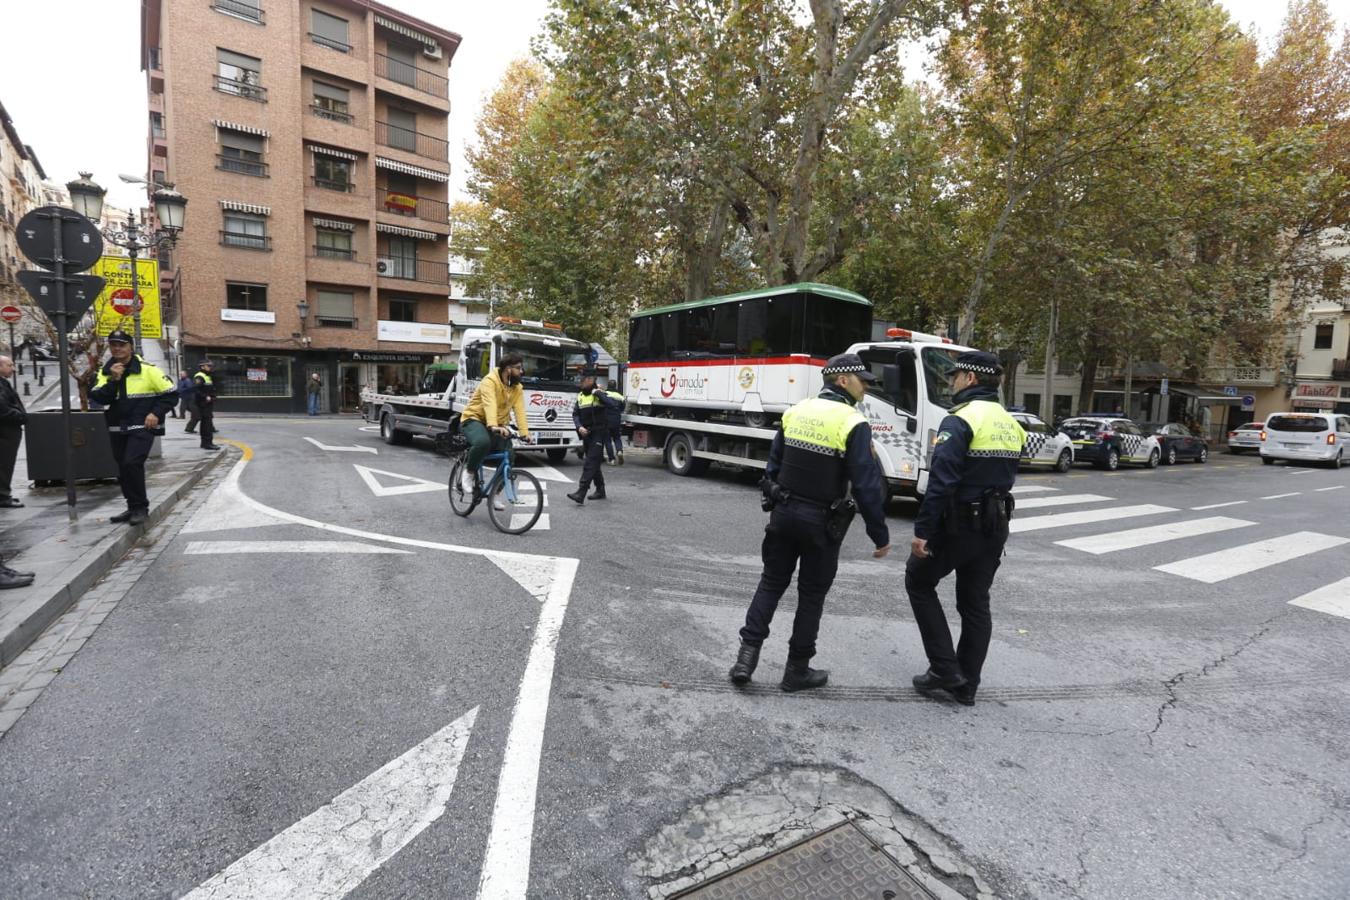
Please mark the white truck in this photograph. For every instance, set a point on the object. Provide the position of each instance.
(707, 381)
(552, 362)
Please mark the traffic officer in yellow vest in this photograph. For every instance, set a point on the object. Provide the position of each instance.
(137, 397)
(962, 525)
(204, 396)
(823, 449)
(591, 419)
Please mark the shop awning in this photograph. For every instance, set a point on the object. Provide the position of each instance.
(406, 169)
(407, 232)
(235, 126)
(334, 224)
(329, 151)
(236, 206)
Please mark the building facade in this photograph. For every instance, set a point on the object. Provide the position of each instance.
(311, 140)
(21, 190)
(1321, 348)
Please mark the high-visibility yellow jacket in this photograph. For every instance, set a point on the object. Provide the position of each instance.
(142, 389)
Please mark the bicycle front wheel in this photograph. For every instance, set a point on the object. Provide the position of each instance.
(518, 517)
(461, 501)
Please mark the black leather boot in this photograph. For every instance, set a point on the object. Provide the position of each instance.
(746, 660)
(598, 495)
(799, 676)
(579, 496)
(955, 685)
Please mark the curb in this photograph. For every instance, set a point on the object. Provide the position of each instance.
(66, 586)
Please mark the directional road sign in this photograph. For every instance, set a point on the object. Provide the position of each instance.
(81, 243)
(81, 290)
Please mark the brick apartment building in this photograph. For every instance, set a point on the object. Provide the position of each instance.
(310, 138)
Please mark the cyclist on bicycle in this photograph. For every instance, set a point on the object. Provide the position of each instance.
(484, 420)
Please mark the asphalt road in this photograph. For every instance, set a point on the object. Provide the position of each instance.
(1141, 731)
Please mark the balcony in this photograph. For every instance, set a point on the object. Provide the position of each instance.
(414, 206)
(334, 253)
(332, 115)
(331, 265)
(409, 75)
(426, 271)
(1255, 376)
(401, 138)
(245, 89)
(246, 241)
(243, 166)
(240, 9)
(155, 68)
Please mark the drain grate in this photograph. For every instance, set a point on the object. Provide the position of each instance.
(839, 863)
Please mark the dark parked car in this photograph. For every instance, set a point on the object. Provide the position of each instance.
(1179, 442)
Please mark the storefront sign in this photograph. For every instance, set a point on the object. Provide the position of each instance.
(413, 332)
(257, 374)
(1313, 403)
(1316, 390)
(248, 315)
(363, 356)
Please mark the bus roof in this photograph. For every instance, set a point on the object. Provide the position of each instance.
(806, 287)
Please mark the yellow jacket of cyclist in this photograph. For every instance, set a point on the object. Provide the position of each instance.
(494, 401)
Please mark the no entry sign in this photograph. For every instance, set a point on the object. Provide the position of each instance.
(126, 302)
(11, 314)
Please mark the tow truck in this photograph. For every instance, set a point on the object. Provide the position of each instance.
(552, 363)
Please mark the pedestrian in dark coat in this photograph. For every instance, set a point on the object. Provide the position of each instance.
(12, 419)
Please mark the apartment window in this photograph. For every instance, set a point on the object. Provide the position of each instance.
(332, 102)
(246, 296)
(1323, 336)
(402, 129)
(337, 308)
(242, 153)
(249, 10)
(329, 31)
(156, 125)
(1032, 403)
(239, 75)
(402, 253)
(331, 173)
(333, 244)
(245, 230)
(1065, 366)
(1333, 281)
(402, 64)
(402, 310)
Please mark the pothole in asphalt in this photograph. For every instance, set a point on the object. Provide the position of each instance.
(804, 832)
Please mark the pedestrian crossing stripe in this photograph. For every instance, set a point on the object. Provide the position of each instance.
(1114, 541)
(1333, 599)
(1086, 517)
(1221, 565)
(1031, 489)
(1061, 500)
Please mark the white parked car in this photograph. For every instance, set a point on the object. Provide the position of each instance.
(1044, 447)
(1306, 437)
(1245, 437)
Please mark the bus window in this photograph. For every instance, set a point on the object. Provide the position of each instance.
(769, 326)
(938, 363)
(725, 318)
(832, 326)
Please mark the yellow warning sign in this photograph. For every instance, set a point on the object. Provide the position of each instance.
(116, 306)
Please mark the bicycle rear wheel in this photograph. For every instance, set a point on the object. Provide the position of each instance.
(461, 503)
(518, 517)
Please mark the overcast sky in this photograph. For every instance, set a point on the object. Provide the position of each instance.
(92, 113)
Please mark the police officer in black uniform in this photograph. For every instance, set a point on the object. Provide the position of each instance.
(962, 525)
(823, 448)
(205, 400)
(591, 420)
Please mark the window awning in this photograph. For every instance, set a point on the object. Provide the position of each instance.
(406, 31)
(395, 165)
(334, 224)
(329, 151)
(235, 126)
(236, 206)
(406, 232)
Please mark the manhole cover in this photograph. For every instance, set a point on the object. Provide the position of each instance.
(840, 863)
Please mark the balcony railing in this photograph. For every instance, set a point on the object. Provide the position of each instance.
(428, 270)
(246, 241)
(242, 166)
(157, 131)
(401, 138)
(334, 115)
(335, 253)
(329, 184)
(413, 205)
(244, 89)
(241, 8)
(330, 43)
(417, 78)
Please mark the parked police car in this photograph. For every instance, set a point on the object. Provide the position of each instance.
(1044, 446)
(1109, 441)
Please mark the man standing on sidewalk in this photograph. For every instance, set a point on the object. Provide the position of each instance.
(204, 393)
(12, 419)
(136, 396)
(313, 390)
(187, 400)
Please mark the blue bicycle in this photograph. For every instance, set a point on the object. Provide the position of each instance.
(514, 495)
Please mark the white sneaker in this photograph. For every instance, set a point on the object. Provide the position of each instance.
(499, 503)
(466, 481)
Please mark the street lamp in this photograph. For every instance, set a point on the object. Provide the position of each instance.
(86, 196)
(303, 308)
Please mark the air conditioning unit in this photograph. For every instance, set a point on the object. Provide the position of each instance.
(384, 265)
(431, 51)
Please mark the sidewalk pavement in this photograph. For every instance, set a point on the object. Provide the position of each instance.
(68, 558)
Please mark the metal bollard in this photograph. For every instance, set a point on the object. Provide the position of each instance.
(42, 374)
(26, 392)
(20, 367)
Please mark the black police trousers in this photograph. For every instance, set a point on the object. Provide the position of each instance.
(795, 534)
(594, 469)
(974, 556)
(205, 414)
(130, 449)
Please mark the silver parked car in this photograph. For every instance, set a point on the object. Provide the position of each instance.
(1245, 437)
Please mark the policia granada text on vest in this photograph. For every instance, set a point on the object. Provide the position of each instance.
(138, 396)
(823, 448)
(962, 525)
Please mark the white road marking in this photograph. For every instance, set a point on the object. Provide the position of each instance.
(1332, 598)
(546, 472)
(1337, 487)
(1153, 534)
(336, 847)
(1031, 488)
(1219, 505)
(197, 548)
(1063, 500)
(506, 864)
(1299, 472)
(1086, 517)
(374, 428)
(414, 485)
(352, 449)
(1281, 496)
(1224, 564)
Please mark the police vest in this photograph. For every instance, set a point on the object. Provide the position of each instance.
(592, 410)
(815, 439)
(996, 435)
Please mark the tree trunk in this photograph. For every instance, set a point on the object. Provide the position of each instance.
(701, 258)
(1088, 381)
(1048, 398)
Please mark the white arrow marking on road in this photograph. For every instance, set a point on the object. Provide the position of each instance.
(415, 485)
(336, 847)
(197, 548)
(342, 449)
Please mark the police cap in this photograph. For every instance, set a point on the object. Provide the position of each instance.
(205, 364)
(848, 363)
(979, 362)
(119, 337)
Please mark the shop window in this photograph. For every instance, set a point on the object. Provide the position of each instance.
(252, 376)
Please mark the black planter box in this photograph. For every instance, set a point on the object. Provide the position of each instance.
(45, 438)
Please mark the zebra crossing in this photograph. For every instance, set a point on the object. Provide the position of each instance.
(1244, 557)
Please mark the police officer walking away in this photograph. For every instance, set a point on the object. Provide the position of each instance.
(962, 525)
(590, 417)
(823, 448)
(137, 397)
(205, 399)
